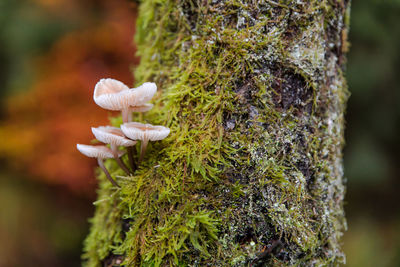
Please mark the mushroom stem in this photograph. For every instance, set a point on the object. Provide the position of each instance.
(143, 147)
(129, 116)
(101, 164)
(121, 164)
(131, 160)
(125, 115)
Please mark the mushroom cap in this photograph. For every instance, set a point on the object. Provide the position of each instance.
(141, 108)
(140, 131)
(140, 95)
(101, 152)
(106, 91)
(114, 95)
(112, 135)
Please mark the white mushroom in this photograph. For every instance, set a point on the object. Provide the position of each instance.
(115, 137)
(101, 153)
(114, 95)
(144, 133)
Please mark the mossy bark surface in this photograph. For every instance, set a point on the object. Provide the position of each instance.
(251, 174)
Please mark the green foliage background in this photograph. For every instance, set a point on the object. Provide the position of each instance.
(372, 135)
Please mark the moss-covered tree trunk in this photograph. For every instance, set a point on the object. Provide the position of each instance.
(251, 174)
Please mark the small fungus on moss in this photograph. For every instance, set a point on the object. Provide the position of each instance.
(115, 137)
(115, 95)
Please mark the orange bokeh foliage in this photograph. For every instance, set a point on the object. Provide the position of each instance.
(43, 125)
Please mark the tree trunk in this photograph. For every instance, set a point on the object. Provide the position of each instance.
(251, 174)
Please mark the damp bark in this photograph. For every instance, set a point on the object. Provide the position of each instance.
(251, 174)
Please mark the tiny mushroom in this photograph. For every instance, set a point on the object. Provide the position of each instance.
(144, 133)
(114, 95)
(115, 137)
(101, 153)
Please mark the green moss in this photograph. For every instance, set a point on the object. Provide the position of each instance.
(254, 97)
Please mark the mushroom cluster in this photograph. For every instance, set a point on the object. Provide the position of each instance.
(114, 95)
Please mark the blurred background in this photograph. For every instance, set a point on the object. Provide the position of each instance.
(52, 52)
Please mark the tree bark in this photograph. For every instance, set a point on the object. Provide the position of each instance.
(251, 174)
